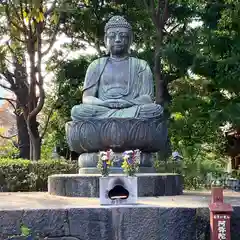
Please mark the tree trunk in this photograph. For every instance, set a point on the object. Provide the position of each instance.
(35, 150)
(23, 137)
(157, 72)
(21, 93)
(35, 140)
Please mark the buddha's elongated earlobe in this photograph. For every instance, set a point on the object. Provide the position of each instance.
(106, 45)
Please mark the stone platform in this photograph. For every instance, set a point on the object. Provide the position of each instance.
(87, 185)
(184, 217)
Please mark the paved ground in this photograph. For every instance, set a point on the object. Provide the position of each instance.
(42, 200)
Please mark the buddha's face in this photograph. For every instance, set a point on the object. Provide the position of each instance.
(117, 41)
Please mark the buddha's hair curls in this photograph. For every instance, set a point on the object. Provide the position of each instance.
(117, 22)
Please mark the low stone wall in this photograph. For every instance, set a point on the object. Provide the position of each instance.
(140, 222)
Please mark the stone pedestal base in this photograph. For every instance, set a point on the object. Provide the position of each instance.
(87, 185)
(119, 134)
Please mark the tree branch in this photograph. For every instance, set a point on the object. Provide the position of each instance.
(47, 122)
(18, 39)
(5, 137)
(9, 77)
(15, 9)
(53, 39)
(7, 99)
(152, 4)
(145, 4)
(174, 28)
(50, 10)
(40, 104)
(59, 63)
(24, 26)
(165, 14)
(38, 83)
(50, 113)
(10, 48)
(158, 8)
(11, 22)
(15, 25)
(153, 13)
(10, 100)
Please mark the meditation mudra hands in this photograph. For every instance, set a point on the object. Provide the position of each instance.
(117, 103)
(122, 103)
(109, 103)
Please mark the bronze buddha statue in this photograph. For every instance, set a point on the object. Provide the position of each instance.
(118, 109)
(118, 86)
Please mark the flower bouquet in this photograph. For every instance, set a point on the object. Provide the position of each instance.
(131, 162)
(105, 161)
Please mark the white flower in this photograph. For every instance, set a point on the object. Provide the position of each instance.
(101, 153)
(104, 158)
(176, 156)
(111, 154)
(128, 152)
(137, 155)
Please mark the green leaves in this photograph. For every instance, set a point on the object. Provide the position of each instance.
(36, 14)
(25, 231)
(24, 175)
(177, 116)
(55, 17)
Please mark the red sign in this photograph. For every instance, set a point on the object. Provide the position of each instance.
(220, 215)
(222, 227)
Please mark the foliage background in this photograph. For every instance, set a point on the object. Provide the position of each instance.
(200, 66)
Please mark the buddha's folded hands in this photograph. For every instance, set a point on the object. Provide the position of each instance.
(117, 103)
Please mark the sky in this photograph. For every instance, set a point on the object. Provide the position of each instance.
(67, 55)
(1, 95)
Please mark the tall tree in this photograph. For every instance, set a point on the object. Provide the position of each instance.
(170, 19)
(30, 29)
(218, 61)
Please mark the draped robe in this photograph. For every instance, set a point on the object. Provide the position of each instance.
(135, 81)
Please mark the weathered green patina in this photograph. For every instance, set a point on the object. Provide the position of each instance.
(118, 86)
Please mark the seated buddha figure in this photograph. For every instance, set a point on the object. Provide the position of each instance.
(118, 86)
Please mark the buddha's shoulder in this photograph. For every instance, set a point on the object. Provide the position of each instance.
(98, 62)
(142, 64)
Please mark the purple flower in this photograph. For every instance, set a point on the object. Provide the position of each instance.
(130, 161)
(104, 164)
(30, 238)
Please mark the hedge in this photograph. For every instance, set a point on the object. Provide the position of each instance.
(25, 175)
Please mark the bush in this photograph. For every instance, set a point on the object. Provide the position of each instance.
(7, 149)
(25, 175)
(196, 175)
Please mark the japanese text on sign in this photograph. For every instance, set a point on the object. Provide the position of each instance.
(221, 227)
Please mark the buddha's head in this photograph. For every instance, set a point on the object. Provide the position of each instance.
(118, 36)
